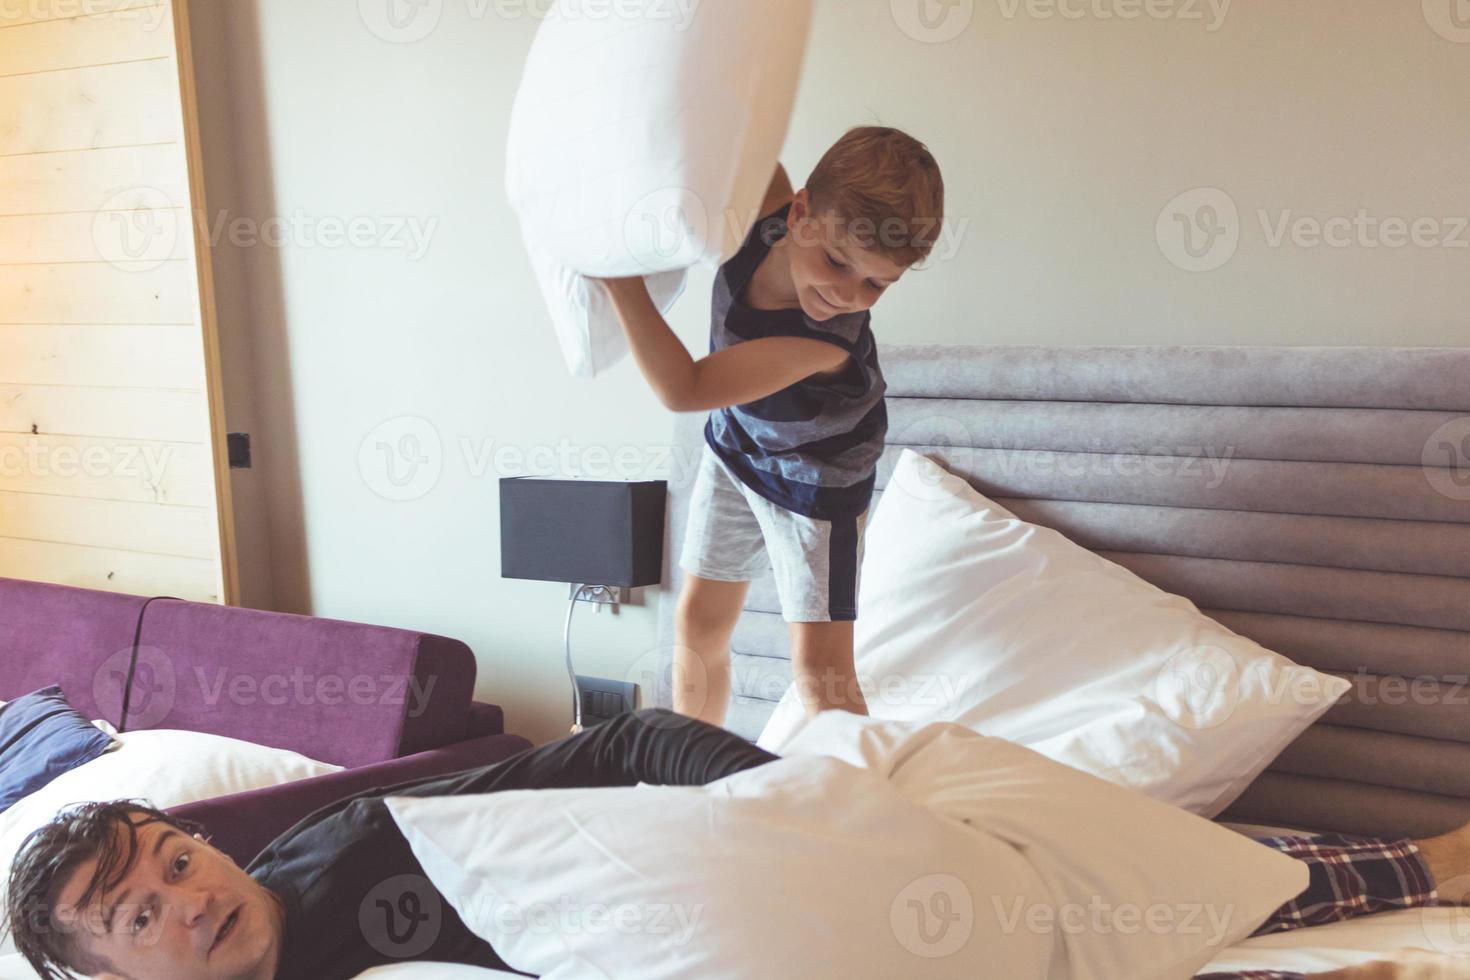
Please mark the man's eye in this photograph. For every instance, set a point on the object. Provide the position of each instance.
(140, 922)
(181, 862)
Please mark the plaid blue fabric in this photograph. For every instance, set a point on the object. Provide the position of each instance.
(1350, 876)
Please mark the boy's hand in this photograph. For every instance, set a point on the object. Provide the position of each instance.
(735, 375)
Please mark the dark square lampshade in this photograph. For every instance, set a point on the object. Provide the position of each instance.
(590, 532)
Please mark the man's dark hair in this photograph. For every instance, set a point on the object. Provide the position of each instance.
(107, 832)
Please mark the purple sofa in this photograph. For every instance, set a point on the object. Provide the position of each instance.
(390, 705)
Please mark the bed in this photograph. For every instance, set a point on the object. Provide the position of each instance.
(1316, 500)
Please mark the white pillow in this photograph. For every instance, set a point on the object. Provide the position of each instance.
(165, 767)
(642, 141)
(954, 855)
(799, 868)
(972, 615)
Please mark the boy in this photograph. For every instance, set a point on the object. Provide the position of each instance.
(797, 418)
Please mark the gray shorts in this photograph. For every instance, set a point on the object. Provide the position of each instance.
(734, 534)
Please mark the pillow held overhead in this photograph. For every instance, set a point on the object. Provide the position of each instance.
(642, 140)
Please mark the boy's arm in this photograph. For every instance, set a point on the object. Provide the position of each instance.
(733, 376)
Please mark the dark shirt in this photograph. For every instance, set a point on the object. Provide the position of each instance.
(812, 447)
(356, 898)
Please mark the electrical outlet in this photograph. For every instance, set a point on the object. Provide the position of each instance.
(603, 700)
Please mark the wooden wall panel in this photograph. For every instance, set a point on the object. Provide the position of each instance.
(142, 355)
(79, 42)
(117, 571)
(118, 413)
(86, 180)
(111, 105)
(112, 525)
(148, 15)
(111, 468)
(137, 470)
(97, 293)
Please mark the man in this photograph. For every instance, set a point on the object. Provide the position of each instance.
(119, 890)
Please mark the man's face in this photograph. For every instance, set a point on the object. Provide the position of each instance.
(832, 271)
(184, 911)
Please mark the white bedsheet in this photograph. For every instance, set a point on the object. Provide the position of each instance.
(1306, 951)
(1363, 940)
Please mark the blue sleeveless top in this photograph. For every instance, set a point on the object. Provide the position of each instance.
(813, 447)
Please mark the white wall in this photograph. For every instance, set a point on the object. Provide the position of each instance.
(1063, 138)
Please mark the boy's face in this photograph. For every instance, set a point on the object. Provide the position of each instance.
(184, 911)
(833, 273)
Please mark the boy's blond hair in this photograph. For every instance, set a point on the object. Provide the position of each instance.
(885, 188)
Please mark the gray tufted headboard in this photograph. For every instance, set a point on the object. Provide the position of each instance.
(1316, 500)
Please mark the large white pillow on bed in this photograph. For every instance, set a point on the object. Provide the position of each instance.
(920, 851)
(642, 141)
(970, 614)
